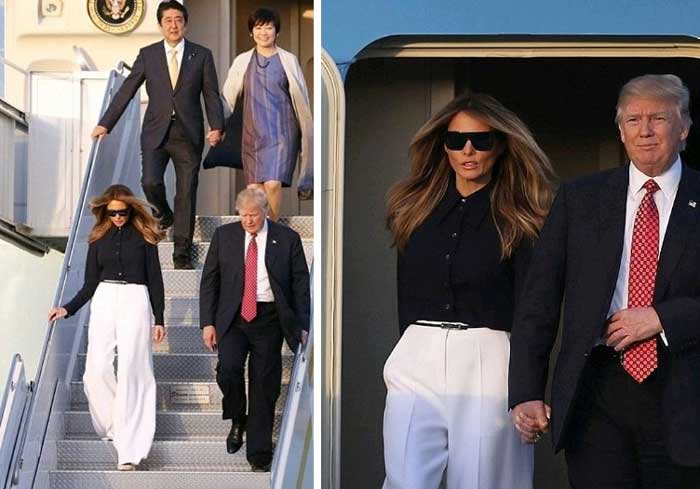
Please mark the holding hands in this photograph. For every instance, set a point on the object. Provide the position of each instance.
(213, 137)
(531, 419)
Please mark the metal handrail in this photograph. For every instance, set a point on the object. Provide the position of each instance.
(65, 267)
(63, 280)
(300, 385)
(12, 409)
(123, 65)
(16, 67)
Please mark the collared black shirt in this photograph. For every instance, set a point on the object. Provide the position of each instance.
(452, 270)
(122, 254)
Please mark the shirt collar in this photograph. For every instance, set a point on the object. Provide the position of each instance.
(477, 204)
(668, 181)
(262, 231)
(114, 229)
(179, 47)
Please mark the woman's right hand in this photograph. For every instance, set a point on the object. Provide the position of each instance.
(57, 313)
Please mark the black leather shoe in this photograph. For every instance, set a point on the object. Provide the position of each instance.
(166, 220)
(234, 440)
(261, 467)
(182, 263)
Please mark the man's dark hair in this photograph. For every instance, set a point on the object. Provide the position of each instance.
(168, 5)
(262, 16)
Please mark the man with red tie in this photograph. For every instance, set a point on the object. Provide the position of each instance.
(254, 292)
(621, 249)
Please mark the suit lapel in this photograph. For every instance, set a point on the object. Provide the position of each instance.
(186, 61)
(680, 225)
(238, 248)
(162, 57)
(271, 246)
(613, 206)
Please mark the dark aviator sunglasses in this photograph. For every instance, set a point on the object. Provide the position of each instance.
(481, 141)
(119, 212)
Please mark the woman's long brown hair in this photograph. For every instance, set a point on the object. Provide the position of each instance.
(523, 176)
(139, 216)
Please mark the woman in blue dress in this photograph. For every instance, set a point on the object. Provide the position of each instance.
(277, 121)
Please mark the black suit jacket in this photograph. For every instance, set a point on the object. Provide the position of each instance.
(221, 288)
(197, 76)
(577, 259)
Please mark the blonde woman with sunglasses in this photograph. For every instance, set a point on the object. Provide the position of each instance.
(463, 223)
(124, 281)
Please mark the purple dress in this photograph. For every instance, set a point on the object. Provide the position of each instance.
(271, 135)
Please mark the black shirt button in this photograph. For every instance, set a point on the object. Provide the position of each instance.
(120, 274)
(446, 283)
(454, 235)
(447, 257)
(447, 307)
(460, 208)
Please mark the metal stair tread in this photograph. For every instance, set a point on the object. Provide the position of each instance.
(170, 426)
(164, 455)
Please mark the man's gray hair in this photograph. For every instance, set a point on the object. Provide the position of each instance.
(667, 87)
(251, 197)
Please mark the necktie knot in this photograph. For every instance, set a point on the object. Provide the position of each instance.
(651, 186)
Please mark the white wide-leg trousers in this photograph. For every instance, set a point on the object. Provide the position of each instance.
(446, 420)
(122, 408)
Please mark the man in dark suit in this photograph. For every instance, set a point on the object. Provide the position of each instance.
(620, 248)
(176, 72)
(254, 292)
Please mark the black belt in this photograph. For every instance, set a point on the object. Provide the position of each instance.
(447, 325)
(119, 282)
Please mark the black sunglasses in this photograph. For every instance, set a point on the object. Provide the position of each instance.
(119, 212)
(481, 141)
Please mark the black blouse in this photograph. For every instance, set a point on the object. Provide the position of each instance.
(122, 254)
(451, 268)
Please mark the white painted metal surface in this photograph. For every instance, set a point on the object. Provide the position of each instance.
(64, 109)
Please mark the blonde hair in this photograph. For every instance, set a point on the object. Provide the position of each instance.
(664, 87)
(139, 214)
(523, 176)
(251, 196)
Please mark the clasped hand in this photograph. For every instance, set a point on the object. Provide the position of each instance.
(213, 137)
(531, 419)
(629, 326)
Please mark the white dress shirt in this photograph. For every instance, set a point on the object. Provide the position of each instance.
(180, 51)
(664, 198)
(264, 291)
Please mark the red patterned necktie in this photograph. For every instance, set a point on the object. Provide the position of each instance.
(249, 306)
(640, 360)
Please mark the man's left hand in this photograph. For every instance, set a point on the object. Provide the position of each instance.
(214, 136)
(628, 326)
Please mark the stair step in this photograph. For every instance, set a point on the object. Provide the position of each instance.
(170, 455)
(112, 479)
(177, 396)
(204, 226)
(169, 426)
(199, 253)
(183, 310)
(178, 339)
(186, 367)
(182, 283)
